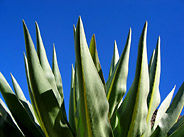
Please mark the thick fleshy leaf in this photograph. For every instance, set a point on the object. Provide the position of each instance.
(58, 80)
(151, 60)
(133, 110)
(8, 130)
(76, 99)
(116, 85)
(178, 129)
(93, 103)
(31, 92)
(172, 113)
(7, 120)
(21, 97)
(153, 99)
(72, 103)
(45, 63)
(28, 127)
(56, 72)
(48, 101)
(163, 107)
(115, 59)
(94, 55)
(74, 30)
(18, 91)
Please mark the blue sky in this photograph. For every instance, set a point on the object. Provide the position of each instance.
(109, 20)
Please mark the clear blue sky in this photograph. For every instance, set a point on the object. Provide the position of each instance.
(109, 20)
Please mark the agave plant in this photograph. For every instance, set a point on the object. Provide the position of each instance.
(97, 108)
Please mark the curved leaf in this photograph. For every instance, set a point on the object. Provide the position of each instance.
(8, 130)
(8, 120)
(56, 72)
(163, 107)
(133, 110)
(58, 80)
(116, 86)
(48, 101)
(93, 103)
(172, 113)
(153, 99)
(28, 127)
(21, 97)
(72, 103)
(45, 64)
(151, 60)
(94, 55)
(31, 92)
(178, 129)
(115, 59)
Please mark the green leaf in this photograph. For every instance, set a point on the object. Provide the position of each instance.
(45, 64)
(72, 103)
(133, 111)
(8, 130)
(7, 119)
(74, 31)
(31, 92)
(47, 99)
(94, 55)
(115, 59)
(56, 72)
(153, 99)
(178, 129)
(151, 60)
(93, 103)
(163, 107)
(172, 113)
(28, 127)
(21, 97)
(58, 80)
(116, 86)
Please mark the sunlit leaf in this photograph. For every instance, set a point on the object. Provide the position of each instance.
(22, 117)
(93, 104)
(48, 101)
(133, 110)
(115, 59)
(153, 99)
(163, 107)
(94, 55)
(116, 85)
(173, 112)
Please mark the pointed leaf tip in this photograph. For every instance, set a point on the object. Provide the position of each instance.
(93, 36)
(24, 25)
(80, 21)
